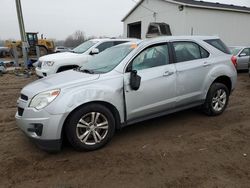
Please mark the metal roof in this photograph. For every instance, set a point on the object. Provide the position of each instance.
(199, 4)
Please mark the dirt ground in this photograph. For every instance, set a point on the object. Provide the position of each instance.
(185, 149)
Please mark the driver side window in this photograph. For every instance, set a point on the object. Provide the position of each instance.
(153, 56)
(246, 51)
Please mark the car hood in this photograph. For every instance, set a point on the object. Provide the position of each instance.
(62, 56)
(58, 81)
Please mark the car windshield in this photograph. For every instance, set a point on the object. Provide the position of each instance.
(84, 47)
(108, 60)
(235, 51)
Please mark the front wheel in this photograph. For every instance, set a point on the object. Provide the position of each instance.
(43, 51)
(217, 99)
(90, 127)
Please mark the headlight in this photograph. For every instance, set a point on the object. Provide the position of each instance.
(48, 63)
(43, 99)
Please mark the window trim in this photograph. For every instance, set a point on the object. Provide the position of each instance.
(174, 54)
(226, 50)
(128, 67)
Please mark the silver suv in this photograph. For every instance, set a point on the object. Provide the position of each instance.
(125, 84)
(59, 62)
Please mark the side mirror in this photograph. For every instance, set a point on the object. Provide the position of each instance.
(94, 51)
(135, 80)
(243, 55)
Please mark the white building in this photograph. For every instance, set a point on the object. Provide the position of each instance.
(186, 17)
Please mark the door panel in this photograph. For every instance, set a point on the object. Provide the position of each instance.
(156, 93)
(192, 65)
(191, 76)
(242, 62)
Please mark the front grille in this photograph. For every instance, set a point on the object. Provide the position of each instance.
(20, 111)
(24, 97)
(39, 64)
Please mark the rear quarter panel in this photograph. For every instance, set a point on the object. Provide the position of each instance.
(220, 66)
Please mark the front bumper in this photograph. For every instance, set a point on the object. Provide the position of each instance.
(42, 127)
(48, 145)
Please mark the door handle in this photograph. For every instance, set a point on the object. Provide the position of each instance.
(206, 64)
(168, 73)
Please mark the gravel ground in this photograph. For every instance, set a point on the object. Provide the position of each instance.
(185, 149)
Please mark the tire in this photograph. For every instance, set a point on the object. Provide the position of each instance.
(83, 132)
(217, 99)
(43, 50)
(3, 54)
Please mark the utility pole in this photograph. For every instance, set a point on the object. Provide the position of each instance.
(25, 44)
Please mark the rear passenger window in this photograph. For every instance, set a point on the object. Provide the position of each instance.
(188, 51)
(104, 46)
(217, 43)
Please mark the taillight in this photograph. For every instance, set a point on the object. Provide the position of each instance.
(234, 61)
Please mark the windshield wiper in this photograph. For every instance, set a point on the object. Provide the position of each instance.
(87, 71)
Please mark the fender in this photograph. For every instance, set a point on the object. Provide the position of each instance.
(102, 91)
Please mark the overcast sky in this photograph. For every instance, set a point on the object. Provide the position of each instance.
(59, 18)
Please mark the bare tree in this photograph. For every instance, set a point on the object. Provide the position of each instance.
(75, 39)
(59, 42)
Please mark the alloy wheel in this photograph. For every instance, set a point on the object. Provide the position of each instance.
(92, 128)
(219, 100)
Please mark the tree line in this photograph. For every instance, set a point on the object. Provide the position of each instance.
(73, 40)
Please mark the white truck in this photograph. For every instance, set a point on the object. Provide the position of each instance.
(59, 62)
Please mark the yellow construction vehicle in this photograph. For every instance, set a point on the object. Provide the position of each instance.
(45, 46)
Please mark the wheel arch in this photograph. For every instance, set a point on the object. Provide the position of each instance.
(66, 67)
(224, 80)
(109, 106)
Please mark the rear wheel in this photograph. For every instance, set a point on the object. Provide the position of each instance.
(217, 99)
(90, 127)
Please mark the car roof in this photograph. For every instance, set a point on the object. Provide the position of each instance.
(239, 47)
(196, 37)
(168, 39)
(171, 38)
(113, 39)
